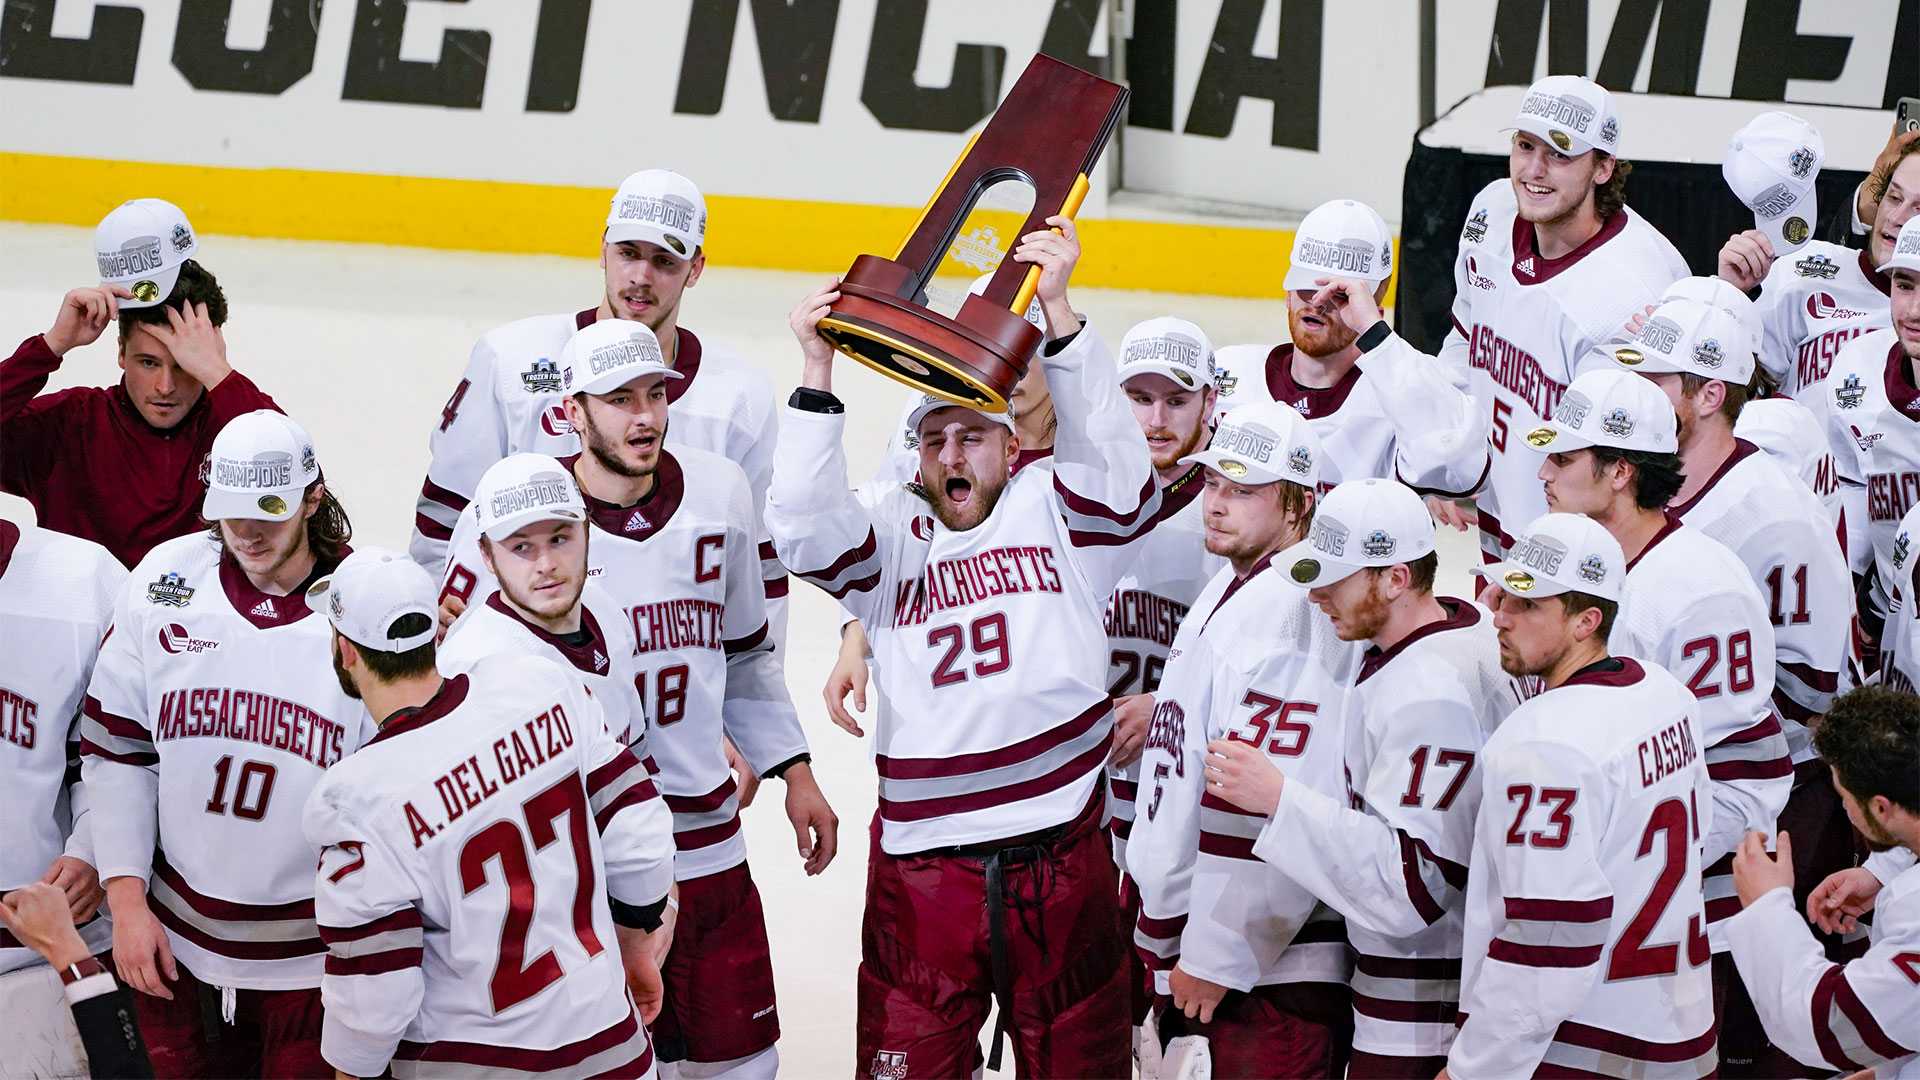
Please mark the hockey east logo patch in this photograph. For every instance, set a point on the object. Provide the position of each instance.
(175, 640)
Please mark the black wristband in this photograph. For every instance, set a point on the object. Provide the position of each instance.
(807, 399)
(638, 918)
(777, 770)
(1375, 334)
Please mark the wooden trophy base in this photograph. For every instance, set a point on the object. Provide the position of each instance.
(973, 359)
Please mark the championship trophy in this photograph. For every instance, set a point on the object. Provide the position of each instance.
(1048, 133)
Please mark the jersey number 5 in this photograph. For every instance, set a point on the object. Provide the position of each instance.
(514, 980)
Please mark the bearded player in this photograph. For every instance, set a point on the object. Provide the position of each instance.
(672, 544)
(511, 397)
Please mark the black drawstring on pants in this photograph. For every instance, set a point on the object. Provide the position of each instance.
(1041, 857)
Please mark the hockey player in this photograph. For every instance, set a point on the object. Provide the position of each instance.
(511, 399)
(672, 544)
(1864, 1014)
(1252, 963)
(1900, 636)
(56, 602)
(212, 713)
(1552, 263)
(1688, 604)
(1815, 299)
(470, 776)
(1586, 949)
(984, 596)
(1390, 852)
(1378, 407)
(533, 536)
(139, 482)
(1871, 409)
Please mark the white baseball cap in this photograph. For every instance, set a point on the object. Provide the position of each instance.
(260, 466)
(369, 591)
(604, 356)
(1360, 524)
(1262, 443)
(1610, 407)
(1572, 113)
(1771, 165)
(932, 403)
(1906, 248)
(1723, 294)
(659, 207)
(1171, 347)
(1561, 553)
(524, 488)
(1692, 338)
(1340, 239)
(140, 246)
(1033, 314)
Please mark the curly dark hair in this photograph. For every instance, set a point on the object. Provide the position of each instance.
(1877, 182)
(1610, 197)
(196, 285)
(1656, 477)
(1871, 737)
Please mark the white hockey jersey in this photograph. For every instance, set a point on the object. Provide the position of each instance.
(1396, 414)
(1391, 854)
(1585, 947)
(603, 655)
(1793, 435)
(1689, 606)
(1810, 305)
(1257, 663)
(216, 704)
(1524, 325)
(1872, 419)
(509, 401)
(1863, 1014)
(1900, 636)
(682, 567)
(467, 856)
(988, 645)
(1778, 530)
(1145, 613)
(56, 603)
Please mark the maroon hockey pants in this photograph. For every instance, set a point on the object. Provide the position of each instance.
(274, 1033)
(926, 965)
(719, 976)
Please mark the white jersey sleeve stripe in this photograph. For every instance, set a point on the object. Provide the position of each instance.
(857, 570)
(390, 943)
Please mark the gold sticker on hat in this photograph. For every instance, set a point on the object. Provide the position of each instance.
(1560, 138)
(273, 504)
(1629, 357)
(1795, 230)
(1519, 581)
(1306, 570)
(1540, 437)
(1233, 469)
(145, 291)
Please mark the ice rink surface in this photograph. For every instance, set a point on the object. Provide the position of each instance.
(363, 344)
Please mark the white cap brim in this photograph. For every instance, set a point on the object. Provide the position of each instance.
(223, 504)
(1184, 378)
(633, 231)
(163, 281)
(1311, 568)
(1539, 128)
(1307, 277)
(614, 380)
(1233, 467)
(513, 523)
(1520, 581)
(1557, 439)
(1797, 221)
(1004, 419)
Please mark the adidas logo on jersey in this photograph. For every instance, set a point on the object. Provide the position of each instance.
(637, 522)
(266, 610)
(1524, 267)
(599, 661)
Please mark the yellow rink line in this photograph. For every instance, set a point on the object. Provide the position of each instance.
(498, 216)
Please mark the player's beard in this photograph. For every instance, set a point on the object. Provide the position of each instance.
(553, 606)
(1369, 617)
(1569, 198)
(1195, 439)
(1323, 341)
(280, 550)
(984, 497)
(608, 451)
(1875, 832)
(656, 314)
(340, 672)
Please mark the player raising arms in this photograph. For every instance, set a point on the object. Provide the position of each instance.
(1390, 853)
(1378, 407)
(672, 544)
(1552, 263)
(212, 714)
(1586, 948)
(510, 397)
(1253, 964)
(443, 957)
(984, 598)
